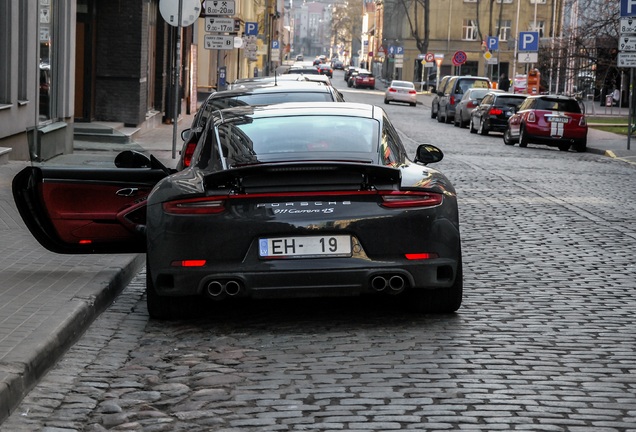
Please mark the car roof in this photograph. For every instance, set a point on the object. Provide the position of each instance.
(274, 87)
(284, 78)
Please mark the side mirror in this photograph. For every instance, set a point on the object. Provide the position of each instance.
(132, 159)
(428, 153)
(185, 134)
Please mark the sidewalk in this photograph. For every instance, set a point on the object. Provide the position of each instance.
(48, 300)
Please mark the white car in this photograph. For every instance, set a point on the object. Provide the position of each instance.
(401, 91)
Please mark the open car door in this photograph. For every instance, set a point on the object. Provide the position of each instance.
(78, 210)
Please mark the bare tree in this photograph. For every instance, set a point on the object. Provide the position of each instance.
(418, 11)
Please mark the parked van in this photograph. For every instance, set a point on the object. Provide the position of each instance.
(453, 93)
(439, 92)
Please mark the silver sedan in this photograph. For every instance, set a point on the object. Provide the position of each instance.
(401, 91)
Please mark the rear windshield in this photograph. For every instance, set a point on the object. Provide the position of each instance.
(465, 84)
(566, 105)
(269, 98)
(510, 101)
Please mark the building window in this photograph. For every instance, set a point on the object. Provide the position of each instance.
(540, 27)
(469, 30)
(470, 1)
(504, 30)
(5, 52)
(504, 1)
(537, 1)
(45, 15)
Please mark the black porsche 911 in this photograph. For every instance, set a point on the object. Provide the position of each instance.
(288, 200)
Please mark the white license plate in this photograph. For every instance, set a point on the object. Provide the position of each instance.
(558, 119)
(304, 247)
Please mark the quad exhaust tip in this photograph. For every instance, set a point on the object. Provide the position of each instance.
(217, 290)
(393, 284)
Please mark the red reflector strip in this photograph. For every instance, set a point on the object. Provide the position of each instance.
(495, 111)
(85, 241)
(206, 205)
(420, 256)
(188, 263)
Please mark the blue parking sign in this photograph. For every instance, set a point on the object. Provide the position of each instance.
(528, 41)
(628, 8)
(493, 43)
(251, 28)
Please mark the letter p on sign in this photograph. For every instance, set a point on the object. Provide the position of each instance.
(628, 8)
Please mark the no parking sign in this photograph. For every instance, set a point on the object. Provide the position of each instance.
(459, 58)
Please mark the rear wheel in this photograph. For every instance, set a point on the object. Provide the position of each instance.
(386, 101)
(471, 126)
(580, 146)
(460, 121)
(523, 137)
(433, 113)
(441, 300)
(564, 147)
(482, 129)
(440, 119)
(507, 138)
(447, 118)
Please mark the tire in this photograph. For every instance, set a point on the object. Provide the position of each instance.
(413, 104)
(507, 139)
(447, 118)
(386, 101)
(471, 126)
(443, 300)
(433, 113)
(580, 146)
(523, 137)
(564, 147)
(440, 119)
(482, 129)
(460, 123)
(170, 308)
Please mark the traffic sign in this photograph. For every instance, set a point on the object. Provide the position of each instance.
(218, 42)
(219, 25)
(220, 7)
(251, 28)
(459, 58)
(628, 25)
(529, 41)
(399, 50)
(627, 43)
(430, 57)
(190, 11)
(439, 58)
(528, 57)
(626, 60)
(493, 43)
(628, 8)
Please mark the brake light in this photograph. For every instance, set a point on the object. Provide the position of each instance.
(420, 256)
(471, 104)
(195, 206)
(452, 100)
(188, 263)
(495, 111)
(188, 152)
(412, 92)
(392, 90)
(532, 118)
(410, 199)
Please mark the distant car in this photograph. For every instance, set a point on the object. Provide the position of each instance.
(438, 94)
(325, 69)
(337, 64)
(467, 104)
(363, 79)
(280, 201)
(303, 70)
(551, 120)
(493, 112)
(253, 93)
(520, 84)
(348, 71)
(453, 93)
(401, 91)
(300, 57)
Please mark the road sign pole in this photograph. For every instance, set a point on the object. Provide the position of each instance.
(176, 82)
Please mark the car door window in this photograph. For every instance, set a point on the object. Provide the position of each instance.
(390, 149)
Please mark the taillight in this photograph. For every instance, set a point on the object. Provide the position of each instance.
(410, 199)
(420, 256)
(471, 104)
(187, 153)
(495, 111)
(195, 206)
(189, 263)
(392, 90)
(412, 92)
(582, 121)
(452, 100)
(532, 118)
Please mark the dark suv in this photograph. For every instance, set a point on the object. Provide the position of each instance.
(493, 112)
(438, 94)
(454, 91)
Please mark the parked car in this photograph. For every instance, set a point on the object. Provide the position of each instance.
(552, 120)
(363, 79)
(281, 200)
(493, 112)
(325, 69)
(311, 70)
(401, 91)
(469, 101)
(520, 84)
(262, 92)
(300, 57)
(454, 91)
(438, 94)
(348, 71)
(337, 64)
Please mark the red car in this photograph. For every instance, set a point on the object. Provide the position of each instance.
(364, 79)
(552, 120)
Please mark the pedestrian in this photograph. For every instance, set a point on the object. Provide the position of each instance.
(504, 82)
